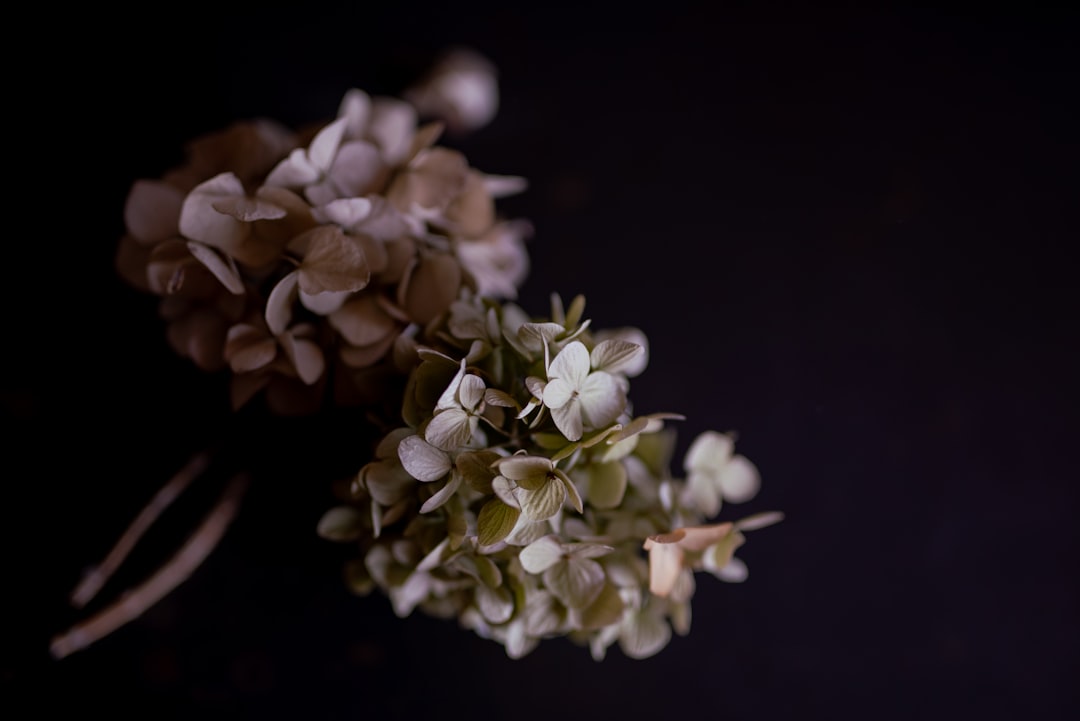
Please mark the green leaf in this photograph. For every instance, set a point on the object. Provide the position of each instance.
(607, 484)
(575, 581)
(341, 523)
(488, 571)
(565, 452)
(495, 522)
(549, 441)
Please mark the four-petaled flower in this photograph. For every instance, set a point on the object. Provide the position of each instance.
(578, 398)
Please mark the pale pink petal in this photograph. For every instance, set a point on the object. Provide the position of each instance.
(356, 109)
(357, 169)
(152, 211)
(306, 357)
(391, 126)
(295, 171)
(279, 304)
(665, 563)
(223, 268)
(361, 321)
(324, 146)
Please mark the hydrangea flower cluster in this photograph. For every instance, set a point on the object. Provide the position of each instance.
(295, 259)
(520, 491)
(359, 263)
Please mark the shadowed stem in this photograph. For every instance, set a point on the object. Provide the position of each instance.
(176, 570)
(96, 577)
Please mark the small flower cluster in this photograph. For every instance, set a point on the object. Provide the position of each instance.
(296, 258)
(519, 492)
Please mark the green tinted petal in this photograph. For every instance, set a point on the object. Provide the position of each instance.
(495, 522)
(606, 609)
(527, 471)
(644, 635)
(544, 502)
(576, 582)
(607, 484)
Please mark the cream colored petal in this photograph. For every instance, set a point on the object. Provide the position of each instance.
(423, 461)
(739, 480)
(471, 392)
(442, 495)
(200, 221)
(557, 393)
(734, 572)
(703, 492)
(613, 355)
(355, 107)
(665, 562)
(541, 554)
(392, 125)
(247, 349)
(495, 604)
(247, 209)
(568, 419)
(644, 635)
(450, 429)
(575, 581)
(324, 146)
(295, 171)
(346, 212)
(571, 364)
(709, 451)
(602, 400)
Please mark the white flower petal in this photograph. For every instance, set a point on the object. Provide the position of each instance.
(423, 461)
(739, 480)
(709, 451)
(571, 364)
(450, 429)
(602, 400)
(541, 554)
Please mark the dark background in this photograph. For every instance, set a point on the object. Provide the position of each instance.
(847, 234)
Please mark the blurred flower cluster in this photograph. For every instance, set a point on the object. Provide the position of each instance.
(296, 258)
(520, 492)
(358, 262)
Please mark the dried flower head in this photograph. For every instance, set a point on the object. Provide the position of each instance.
(520, 493)
(294, 257)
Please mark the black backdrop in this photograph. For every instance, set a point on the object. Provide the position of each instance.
(847, 235)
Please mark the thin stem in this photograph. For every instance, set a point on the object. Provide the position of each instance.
(175, 571)
(96, 577)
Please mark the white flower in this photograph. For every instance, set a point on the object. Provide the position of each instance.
(578, 398)
(715, 472)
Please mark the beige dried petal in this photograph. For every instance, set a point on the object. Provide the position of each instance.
(392, 125)
(247, 348)
(430, 287)
(152, 211)
(333, 262)
(461, 89)
(361, 321)
(472, 211)
(364, 356)
(431, 181)
(279, 304)
(223, 268)
(305, 356)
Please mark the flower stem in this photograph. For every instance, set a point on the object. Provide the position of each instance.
(175, 571)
